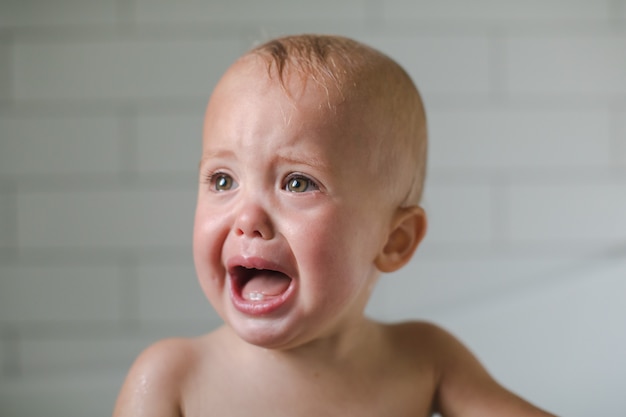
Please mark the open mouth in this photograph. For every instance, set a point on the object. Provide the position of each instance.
(259, 285)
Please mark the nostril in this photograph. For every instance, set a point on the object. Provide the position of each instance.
(252, 233)
(253, 222)
(255, 233)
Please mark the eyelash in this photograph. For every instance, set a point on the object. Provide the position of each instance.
(297, 176)
(212, 177)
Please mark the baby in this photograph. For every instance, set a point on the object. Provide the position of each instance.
(311, 176)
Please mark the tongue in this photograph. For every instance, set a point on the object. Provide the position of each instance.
(265, 284)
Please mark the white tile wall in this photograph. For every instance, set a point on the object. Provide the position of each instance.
(459, 213)
(574, 310)
(247, 10)
(102, 218)
(169, 143)
(172, 293)
(83, 395)
(58, 145)
(567, 65)
(499, 11)
(120, 69)
(565, 213)
(35, 13)
(101, 105)
(59, 293)
(67, 357)
(501, 138)
(440, 64)
(431, 287)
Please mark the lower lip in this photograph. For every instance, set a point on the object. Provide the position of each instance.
(260, 307)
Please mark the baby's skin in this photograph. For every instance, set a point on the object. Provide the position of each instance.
(309, 186)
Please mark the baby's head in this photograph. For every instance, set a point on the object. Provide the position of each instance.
(369, 89)
(311, 174)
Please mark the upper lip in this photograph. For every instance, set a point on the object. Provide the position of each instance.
(234, 265)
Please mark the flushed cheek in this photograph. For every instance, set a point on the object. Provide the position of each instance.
(337, 265)
(207, 237)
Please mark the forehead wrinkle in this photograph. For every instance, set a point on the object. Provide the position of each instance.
(207, 155)
(308, 159)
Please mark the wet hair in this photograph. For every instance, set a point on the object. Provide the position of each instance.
(350, 70)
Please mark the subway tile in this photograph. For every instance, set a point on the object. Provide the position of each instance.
(120, 69)
(458, 214)
(575, 64)
(169, 292)
(565, 213)
(111, 219)
(45, 145)
(425, 288)
(572, 318)
(506, 11)
(440, 64)
(78, 356)
(18, 13)
(54, 293)
(91, 394)
(504, 138)
(620, 10)
(169, 143)
(164, 11)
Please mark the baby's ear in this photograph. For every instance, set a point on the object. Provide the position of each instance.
(407, 231)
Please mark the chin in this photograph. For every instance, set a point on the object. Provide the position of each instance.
(267, 334)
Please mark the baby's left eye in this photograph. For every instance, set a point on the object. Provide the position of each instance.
(300, 184)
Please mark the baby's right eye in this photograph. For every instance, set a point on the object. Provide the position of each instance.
(220, 181)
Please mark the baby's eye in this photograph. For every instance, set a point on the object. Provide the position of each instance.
(221, 182)
(300, 184)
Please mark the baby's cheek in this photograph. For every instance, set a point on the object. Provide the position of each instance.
(208, 238)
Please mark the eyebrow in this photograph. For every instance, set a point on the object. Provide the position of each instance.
(286, 156)
(307, 159)
(220, 153)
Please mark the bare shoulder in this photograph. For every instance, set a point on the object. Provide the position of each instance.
(464, 387)
(154, 383)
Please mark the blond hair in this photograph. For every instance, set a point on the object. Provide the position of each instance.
(357, 71)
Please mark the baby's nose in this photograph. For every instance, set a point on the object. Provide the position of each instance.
(253, 221)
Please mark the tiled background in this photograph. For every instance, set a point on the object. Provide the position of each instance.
(101, 106)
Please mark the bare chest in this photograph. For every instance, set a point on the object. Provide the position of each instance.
(376, 397)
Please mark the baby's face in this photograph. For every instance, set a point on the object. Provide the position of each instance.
(288, 223)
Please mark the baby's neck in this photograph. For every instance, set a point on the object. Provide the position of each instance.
(357, 347)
